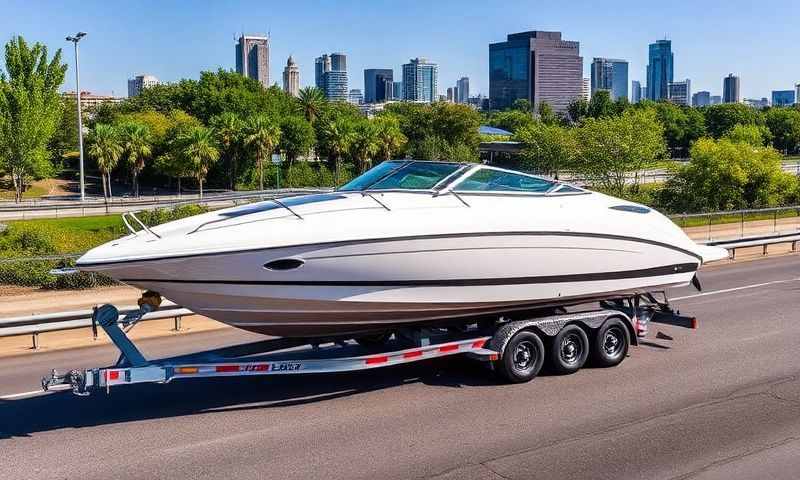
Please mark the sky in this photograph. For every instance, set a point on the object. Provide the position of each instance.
(178, 39)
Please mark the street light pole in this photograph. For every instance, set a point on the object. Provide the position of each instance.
(75, 40)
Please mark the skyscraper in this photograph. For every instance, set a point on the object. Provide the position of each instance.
(252, 58)
(397, 90)
(730, 89)
(586, 89)
(463, 90)
(716, 99)
(636, 91)
(782, 98)
(420, 80)
(610, 74)
(797, 93)
(701, 99)
(536, 65)
(355, 96)
(680, 93)
(330, 76)
(291, 78)
(139, 83)
(451, 95)
(375, 84)
(659, 70)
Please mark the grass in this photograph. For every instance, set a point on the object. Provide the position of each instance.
(34, 191)
(731, 219)
(74, 234)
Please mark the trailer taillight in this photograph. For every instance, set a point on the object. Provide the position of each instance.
(185, 370)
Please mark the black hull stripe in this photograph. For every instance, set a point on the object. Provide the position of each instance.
(579, 277)
(407, 238)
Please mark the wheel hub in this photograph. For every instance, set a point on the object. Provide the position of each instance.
(523, 355)
(612, 342)
(571, 349)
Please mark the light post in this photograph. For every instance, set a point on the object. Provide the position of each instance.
(75, 39)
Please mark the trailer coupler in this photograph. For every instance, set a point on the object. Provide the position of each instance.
(73, 378)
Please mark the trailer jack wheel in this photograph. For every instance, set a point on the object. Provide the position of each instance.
(522, 358)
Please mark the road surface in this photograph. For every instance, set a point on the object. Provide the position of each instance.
(722, 402)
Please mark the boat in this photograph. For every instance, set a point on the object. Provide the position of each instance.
(407, 243)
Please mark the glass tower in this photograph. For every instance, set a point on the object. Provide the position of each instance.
(659, 70)
(611, 75)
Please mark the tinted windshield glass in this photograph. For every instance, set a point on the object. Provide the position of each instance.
(371, 176)
(487, 180)
(416, 176)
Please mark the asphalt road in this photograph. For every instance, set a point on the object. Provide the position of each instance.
(719, 402)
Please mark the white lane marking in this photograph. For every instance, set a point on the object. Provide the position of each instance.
(735, 289)
(34, 392)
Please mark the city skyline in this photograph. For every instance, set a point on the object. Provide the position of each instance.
(118, 47)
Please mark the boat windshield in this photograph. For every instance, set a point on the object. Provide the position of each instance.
(402, 175)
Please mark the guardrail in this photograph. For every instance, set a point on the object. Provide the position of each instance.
(757, 220)
(762, 241)
(49, 322)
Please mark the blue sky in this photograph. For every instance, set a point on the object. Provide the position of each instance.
(178, 39)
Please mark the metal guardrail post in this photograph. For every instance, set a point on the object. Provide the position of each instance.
(177, 324)
(709, 226)
(775, 222)
(742, 235)
(35, 339)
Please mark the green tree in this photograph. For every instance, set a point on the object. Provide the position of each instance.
(311, 100)
(723, 117)
(262, 136)
(199, 149)
(390, 139)
(64, 142)
(547, 148)
(228, 129)
(30, 110)
(682, 126)
(546, 114)
(137, 148)
(600, 105)
(511, 120)
(749, 134)
(609, 148)
(173, 165)
(365, 144)
(105, 146)
(297, 137)
(577, 110)
(784, 124)
(522, 105)
(339, 136)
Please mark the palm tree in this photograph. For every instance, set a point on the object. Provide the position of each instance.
(198, 147)
(228, 129)
(364, 144)
(390, 138)
(262, 135)
(105, 148)
(311, 101)
(136, 142)
(339, 136)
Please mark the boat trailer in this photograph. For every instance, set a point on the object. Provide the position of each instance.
(516, 349)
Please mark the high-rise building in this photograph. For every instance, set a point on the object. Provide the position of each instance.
(644, 93)
(462, 85)
(716, 99)
(451, 95)
(538, 66)
(701, 99)
(139, 83)
(636, 91)
(611, 75)
(757, 103)
(782, 98)
(397, 90)
(730, 89)
(659, 69)
(291, 78)
(330, 76)
(680, 93)
(252, 58)
(797, 93)
(420, 79)
(355, 96)
(375, 85)
(586, 89)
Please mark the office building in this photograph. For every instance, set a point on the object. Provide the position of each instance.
(355, 96)
(538, 66)
(139, 83)
(291, 78)
(252, 58)
(330, 76)
(420, 79)
(716, 99)
(462, 86)
(378, 85)
(397, 90)
(89, 100)
(636, 91)
(611, 75)
(763, 102)
(586, 89)
(451, 94)
(659, 69)
(644, 93)
(797, 93)
(701, 99)
(783, 98)
(680, 93)
(731, 89)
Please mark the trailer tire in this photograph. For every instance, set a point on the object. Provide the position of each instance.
(610, 344)
(522, 359)
(569, 350)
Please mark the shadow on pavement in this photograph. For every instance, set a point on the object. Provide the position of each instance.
(23, 417)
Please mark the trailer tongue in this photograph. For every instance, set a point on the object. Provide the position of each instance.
(516, 349)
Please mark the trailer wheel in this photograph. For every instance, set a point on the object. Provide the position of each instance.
(610, 345)
(522, 358)
(570, 350)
